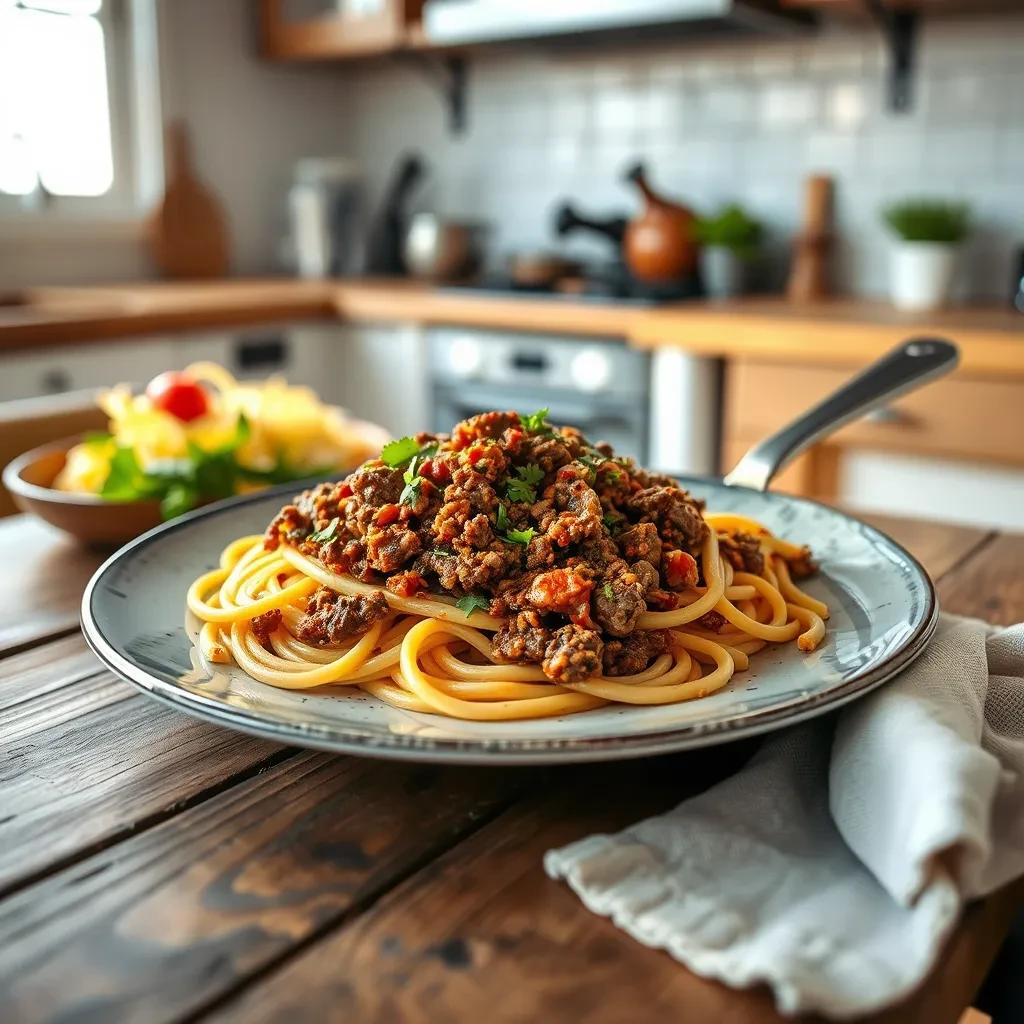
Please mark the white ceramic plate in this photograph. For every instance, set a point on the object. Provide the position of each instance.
(883, 612)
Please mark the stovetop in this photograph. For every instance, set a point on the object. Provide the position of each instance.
(589, 285)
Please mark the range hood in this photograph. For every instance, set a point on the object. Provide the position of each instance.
(486, 21)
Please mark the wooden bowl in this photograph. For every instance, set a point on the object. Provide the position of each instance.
(98, 523)
(88, 517)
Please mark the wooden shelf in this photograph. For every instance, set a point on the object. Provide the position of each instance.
(337, 36)
(860, 7)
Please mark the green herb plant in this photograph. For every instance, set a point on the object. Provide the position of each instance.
(731, 228)
(928, 220)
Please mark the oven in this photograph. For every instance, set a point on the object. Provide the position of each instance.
(600, 386)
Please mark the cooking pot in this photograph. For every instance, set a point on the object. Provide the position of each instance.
(437, 249)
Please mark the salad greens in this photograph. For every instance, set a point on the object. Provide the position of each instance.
(182, 484)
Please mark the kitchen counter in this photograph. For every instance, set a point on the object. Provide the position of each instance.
(839, 331)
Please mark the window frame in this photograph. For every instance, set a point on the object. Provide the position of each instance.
(133, 90)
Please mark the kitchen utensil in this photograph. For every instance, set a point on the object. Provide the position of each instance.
(659, 243)
(384, 244)
(883, 612)
(1017, 297)
(187, 230)
(568, 219)
(539, 270)
(905, 368)
(809, 276)
(441, 250)
(323, 209)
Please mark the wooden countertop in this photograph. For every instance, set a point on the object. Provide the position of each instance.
(156, 867)
(848, 331)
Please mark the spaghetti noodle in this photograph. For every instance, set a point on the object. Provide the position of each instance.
(316, 602)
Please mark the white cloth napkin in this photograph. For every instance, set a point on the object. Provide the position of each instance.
(834, 865)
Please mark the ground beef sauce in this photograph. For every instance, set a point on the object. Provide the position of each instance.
(565, 541)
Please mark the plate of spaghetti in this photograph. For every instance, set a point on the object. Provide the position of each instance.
(510, 592)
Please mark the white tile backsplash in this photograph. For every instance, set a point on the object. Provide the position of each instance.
(790, 105)
(846, 105)
(726, 121)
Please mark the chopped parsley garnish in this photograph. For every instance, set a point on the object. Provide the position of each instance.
(397, 453)
(411, 492)
(520, 536)
(327, 533)
(612, 521)
(613, 477)
(593, 464)
(536, 423)
(473, 603)
(607, 591)
(512, 536)
(524, 486)
(413, 482)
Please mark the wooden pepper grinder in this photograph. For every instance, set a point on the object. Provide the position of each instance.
(809, 276)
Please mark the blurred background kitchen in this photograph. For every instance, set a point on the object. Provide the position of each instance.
(673, 222)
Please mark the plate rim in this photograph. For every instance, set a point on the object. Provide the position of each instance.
(401, 746)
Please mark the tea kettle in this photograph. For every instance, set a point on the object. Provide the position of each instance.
(660, 244)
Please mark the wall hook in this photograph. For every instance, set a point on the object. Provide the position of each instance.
(901, 30)
(449, 75)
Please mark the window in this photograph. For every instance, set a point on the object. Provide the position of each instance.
(69, 105)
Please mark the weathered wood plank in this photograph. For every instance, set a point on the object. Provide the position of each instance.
(51, 570)
(939, 547)
(182, 913)
(45, 667)
(990, 584)
(87, 781)
(483, 934)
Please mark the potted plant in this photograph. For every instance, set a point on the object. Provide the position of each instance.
(728, 239)
(924, 257)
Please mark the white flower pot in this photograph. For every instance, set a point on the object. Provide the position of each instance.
(721, 271)
(922, 274)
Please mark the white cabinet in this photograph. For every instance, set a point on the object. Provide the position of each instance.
(972, 493)
(72, 368)
(302, 357)
(377, 372)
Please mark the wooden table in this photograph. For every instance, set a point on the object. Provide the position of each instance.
(155, 868)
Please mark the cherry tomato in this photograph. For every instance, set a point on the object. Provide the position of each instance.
(178, 395)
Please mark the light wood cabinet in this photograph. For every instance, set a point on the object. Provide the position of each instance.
(333, 29)
(959, 418)
(924, 6)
